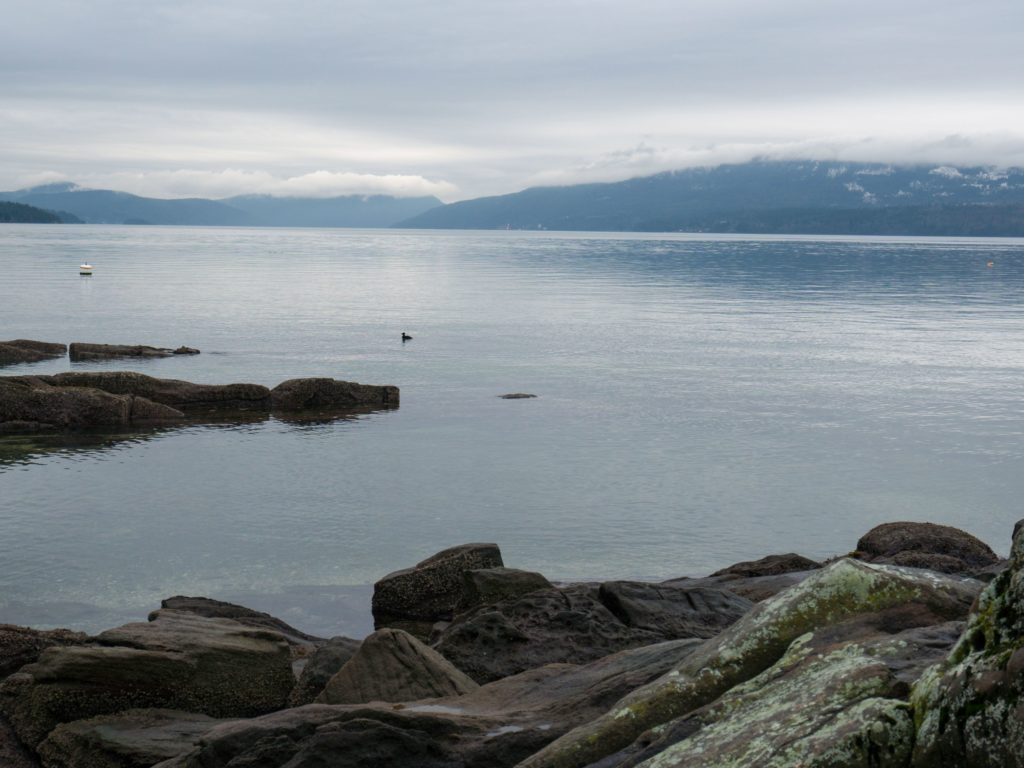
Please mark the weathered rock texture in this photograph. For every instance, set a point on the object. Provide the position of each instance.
(329, 394)
(21, 645)
(493, 726)
(969, 709)
(216, 667)
(491, 585)
(137, 738)
(392, 665)
(580, 623)
(926, 545)
(29, 351)
(321, 666)
(29, 403)
(415, 598)
(13, 753)
(82, 351)
(83, 399)
(892, 598)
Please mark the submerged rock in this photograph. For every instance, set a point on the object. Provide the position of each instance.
(29, 351)
(891, 598)
(82, 351)
(517, 396)
(413, 599)
(969, 709)
(392, 665)
(926, 545)
(217, 667)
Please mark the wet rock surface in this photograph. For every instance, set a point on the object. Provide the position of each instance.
(329, 394)
(491, 585)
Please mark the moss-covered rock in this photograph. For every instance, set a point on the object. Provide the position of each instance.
(839, 592)
(969, 710)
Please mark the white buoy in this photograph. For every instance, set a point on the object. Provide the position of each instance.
(85, 269)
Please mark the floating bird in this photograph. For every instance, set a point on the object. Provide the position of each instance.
(405, 336)
(991, 263)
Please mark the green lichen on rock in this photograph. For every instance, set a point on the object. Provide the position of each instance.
(968, 710)
(830, 707)
(844, 589)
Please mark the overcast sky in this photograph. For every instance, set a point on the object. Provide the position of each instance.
(462, 98)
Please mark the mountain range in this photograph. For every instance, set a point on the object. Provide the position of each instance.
(761, 196)
(104, 206)
(792, 197)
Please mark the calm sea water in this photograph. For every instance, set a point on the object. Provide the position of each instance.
(702, 400)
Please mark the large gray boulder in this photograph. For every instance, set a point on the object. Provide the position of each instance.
(413, 599)
(969, 709)
(321, 394)
(29, 351)
(580, 623)
(926, 545)
(216, 667)
(884, 598)
(392, 665)
(137, 738)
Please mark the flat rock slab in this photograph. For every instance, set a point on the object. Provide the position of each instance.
(136, 738)
(392, 665)
(319, 394)
(486, 586)
(216, 667)
(218, 609)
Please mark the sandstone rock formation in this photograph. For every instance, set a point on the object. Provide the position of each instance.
(79, 351)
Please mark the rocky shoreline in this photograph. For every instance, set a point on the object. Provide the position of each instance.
(111, 399)
(908, 652)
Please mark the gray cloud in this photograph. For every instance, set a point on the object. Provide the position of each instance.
(474, 98)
